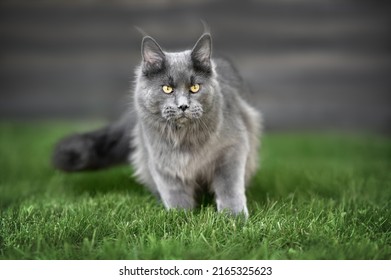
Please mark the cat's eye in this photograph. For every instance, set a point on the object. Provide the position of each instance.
(195, 88)
(167, 89)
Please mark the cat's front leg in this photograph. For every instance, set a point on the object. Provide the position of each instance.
(229, 182)
(173, 191)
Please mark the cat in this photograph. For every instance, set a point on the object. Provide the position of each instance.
(189, 129)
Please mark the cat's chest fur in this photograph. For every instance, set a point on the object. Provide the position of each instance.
(188, 155)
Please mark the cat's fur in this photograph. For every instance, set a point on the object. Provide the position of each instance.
(180, 142)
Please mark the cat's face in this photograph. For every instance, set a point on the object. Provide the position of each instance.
(177, 87)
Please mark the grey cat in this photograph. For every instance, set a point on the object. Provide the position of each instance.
(189, 129)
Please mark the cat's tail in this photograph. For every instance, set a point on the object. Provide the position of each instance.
(98, 149)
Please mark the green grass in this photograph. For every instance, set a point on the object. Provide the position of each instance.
(317, 196)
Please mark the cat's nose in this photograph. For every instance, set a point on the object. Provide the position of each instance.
(183, 107)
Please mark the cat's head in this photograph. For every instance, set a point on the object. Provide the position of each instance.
(177, 86)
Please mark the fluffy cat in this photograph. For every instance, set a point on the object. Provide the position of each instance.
(189, 129)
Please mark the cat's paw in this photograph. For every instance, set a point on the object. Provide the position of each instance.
(234, 210)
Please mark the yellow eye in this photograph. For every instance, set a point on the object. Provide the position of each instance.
(195, 88)
(167, 89)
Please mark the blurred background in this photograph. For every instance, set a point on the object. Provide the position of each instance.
(311, 64)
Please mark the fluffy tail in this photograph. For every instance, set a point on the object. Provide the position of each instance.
(94, 150)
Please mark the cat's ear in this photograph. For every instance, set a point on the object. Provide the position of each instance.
(153, 56)
(202, 52)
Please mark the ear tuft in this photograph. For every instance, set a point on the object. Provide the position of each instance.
(206, 26)
(153, 56)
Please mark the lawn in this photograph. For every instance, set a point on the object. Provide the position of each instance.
(317, 196)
